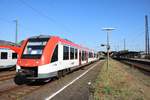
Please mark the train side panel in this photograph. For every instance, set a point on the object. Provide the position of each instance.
(8, 58)
(51, 69)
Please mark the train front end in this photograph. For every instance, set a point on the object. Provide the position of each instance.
(31, 57)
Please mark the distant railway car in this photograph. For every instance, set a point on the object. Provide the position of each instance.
(8, 58)
(44, 57)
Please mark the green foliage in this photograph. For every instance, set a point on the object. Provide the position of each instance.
(107, 90)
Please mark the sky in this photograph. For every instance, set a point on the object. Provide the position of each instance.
(80, 21)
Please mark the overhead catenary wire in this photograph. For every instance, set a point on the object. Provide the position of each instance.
(118, 45)
(5, 21)
(136, 38)
(44, 15)
(11, 22)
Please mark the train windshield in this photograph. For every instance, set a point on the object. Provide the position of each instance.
(34, 48)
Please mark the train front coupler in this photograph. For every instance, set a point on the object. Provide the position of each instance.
(21, 76)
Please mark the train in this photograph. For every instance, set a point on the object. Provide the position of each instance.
(8, 57)
(44, 57)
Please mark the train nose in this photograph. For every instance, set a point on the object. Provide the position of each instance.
(20, 79)
(31, 62)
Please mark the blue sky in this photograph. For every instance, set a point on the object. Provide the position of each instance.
(78, 20)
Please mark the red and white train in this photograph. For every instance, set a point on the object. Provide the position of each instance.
(44, 57)
(8, 56)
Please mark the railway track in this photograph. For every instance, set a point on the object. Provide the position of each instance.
(7, 75)
(15, 92)
(142, 65)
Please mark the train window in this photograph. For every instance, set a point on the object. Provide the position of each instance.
(76, 53)
(34, 48)
(83, 55)
(14, 55)
(55, 55)
(65, 53)
(94, 55)
(4, 55)
(71, 53)
(90, 55)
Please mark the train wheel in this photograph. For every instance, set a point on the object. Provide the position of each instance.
(68, 70)
(60, 74)
(20, 79)
(64, 72)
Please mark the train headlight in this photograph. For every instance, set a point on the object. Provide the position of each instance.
(17, 68)
(37, 62)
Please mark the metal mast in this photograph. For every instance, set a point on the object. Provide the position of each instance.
(124, 44)
(147, 49)
(16, 34)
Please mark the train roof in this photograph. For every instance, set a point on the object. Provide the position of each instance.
(8, 43)
(65, 41)
(40, 36)
(6, 47)
(6, 50)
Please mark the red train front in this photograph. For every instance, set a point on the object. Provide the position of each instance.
(44, 57)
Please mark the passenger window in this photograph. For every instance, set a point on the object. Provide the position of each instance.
(4, 55)
(14, 55)
(82, 55)
(65, 53)
(71, 53)
(90, 55)
(55, 55)
(76, 53)
(94, 55)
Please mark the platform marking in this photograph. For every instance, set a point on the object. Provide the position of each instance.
(54, 94)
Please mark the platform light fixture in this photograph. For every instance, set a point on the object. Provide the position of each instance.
(108, 30)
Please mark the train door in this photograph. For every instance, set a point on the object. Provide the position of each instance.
(79, 57)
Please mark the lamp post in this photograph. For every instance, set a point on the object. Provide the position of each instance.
(108, 30)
